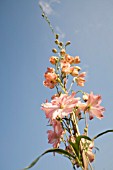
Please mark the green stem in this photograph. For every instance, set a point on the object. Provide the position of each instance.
(47, 20)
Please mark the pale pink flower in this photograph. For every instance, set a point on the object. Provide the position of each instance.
(55, 136)
(92, 106)
(60, 106)
(80, 79)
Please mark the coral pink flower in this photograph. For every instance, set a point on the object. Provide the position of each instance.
(53, 60)
(65, 67)
(55, 135)
(80, 79)
(60, 106)
(69, 59)
(51, 78)
(77, 60)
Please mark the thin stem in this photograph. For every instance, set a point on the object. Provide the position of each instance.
(71, 86)
(47, 20)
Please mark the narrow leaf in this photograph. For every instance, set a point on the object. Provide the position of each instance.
(76, 145)
(57, 150)
(100, 134)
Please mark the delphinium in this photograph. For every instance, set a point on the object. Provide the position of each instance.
(68, 107)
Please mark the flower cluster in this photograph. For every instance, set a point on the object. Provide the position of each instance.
(66, 108)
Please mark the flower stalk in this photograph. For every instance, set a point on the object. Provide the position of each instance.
(68, 106)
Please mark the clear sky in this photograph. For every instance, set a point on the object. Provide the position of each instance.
(25, 47)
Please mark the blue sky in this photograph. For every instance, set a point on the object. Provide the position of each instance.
(25, 47)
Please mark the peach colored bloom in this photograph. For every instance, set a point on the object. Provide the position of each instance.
(51, 78)
(74, 72)
(69, 59)
(60, 106)
(80, 79)
(55, 135)
(93, 106)
(65, 66)
(55, 95)
(53, 60)
(77, 60)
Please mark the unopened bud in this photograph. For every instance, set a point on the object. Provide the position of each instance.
(74, 73)
(77, 68)
(56, 41)
(68, 43)
(42, 14)
(61, 44)
(85, 130)
(57, 36)
(85, 97)
(62, 52)
(54, 50)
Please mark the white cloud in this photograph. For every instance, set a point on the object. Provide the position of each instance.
(47, 5)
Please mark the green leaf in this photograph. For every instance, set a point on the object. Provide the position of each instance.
(57, 150)
(76, 145)
(100, 134)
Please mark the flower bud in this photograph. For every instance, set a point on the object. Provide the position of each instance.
(67, 43)
(61, 44)
(43, 15)
(74, 73)
(54, 50)
(56, 41)
(77, 68)
(85, 97)
(62, 52)
(57, 36)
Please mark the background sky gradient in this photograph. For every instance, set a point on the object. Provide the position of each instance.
(25, 47)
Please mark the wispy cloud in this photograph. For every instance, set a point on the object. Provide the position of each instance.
(47, 5)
